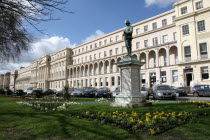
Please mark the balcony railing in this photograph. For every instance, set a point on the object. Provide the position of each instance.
(57, 78)
(189, 59)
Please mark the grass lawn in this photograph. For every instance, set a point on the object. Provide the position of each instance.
(18, 122)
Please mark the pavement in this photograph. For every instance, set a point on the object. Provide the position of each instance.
(190, 97)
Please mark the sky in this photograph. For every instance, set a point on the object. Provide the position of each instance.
(91, 19)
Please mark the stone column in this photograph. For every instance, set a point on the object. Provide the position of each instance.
(157, 57)
(147, 60)
(130, 95)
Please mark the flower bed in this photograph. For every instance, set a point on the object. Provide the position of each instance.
(27, 98)
(201, 104)
(48, 106)
(149, 123)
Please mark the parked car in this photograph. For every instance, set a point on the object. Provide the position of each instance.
(48, 92)
(163, 92)
(116, 92)
(103, 92)
(78, 92)
(70, 90)
(90, 92)
(178, 91)
(28, 90)
(201, 90)
(144, 92)
(59, 93)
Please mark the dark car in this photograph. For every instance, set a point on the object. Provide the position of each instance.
(180, 92)
(90, 92)
(103, 92)
(48, 92)
(201, 90)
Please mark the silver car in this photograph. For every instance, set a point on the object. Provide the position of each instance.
(163, 92)
(78, 92)
(144, 92)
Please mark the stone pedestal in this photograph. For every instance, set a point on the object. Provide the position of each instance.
(130, 95)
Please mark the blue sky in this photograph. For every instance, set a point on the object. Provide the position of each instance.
(91, 19)
(103, 15)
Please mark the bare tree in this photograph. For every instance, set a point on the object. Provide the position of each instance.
(14, 15)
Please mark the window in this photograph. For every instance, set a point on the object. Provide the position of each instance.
(107, 83)
(86, 48)
(145, 28)
(155, 41)
(94, 56)
(154, 25)
(99, 55)
(165, 38)
(95, 82)
(164, 22)
(82, 60)
(110, 52)
(118, 80)
(199, 5)
(187, 51)
(90, 82)
(105, 54)
(82, 49)
(137, 31)
(105, 41)
(201, 26)
(91, 46)
(90, 57)
(95, 45)
(111, 40)
(163, 77)
(123, 48)
(175, 36)
(100, 43)
(145, 43)
(116, 50)
(203, 50)
(184, 10)
(173, 18)
(79, 50)
(85, 58)
(117, 37)
(137, 45)
(185, 29)
(78, 61)
(113, 81)
(175, 75)
(101, 82)
(204, 73)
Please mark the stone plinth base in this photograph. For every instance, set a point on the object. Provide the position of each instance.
(130, 101)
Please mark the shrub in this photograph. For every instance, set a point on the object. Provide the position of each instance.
(38, 93)
(2, 92)
(9, 92)
(20, 92)
(66, 95)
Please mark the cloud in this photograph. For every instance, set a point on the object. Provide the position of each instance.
(160, 3)
(96, 35)
(42, 47)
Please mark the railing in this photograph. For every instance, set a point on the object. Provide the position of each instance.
(57, 78)
(189, 59)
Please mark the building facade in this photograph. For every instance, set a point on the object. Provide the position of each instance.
(174, 46)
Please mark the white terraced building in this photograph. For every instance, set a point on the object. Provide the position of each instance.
(174, 45)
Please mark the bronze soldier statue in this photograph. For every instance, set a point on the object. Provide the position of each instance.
(127, 34)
